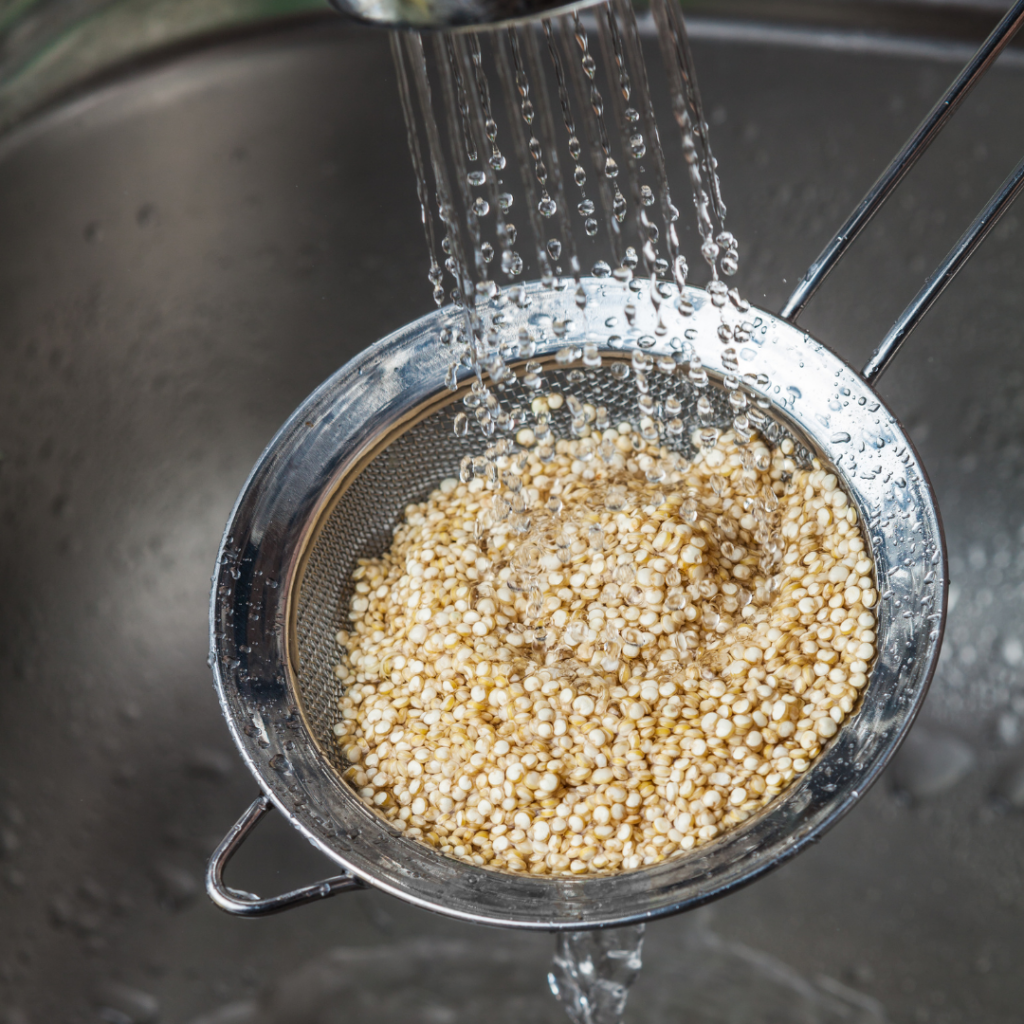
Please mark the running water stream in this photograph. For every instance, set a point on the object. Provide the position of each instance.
(592, 972)
(610, 137)
(601, 143)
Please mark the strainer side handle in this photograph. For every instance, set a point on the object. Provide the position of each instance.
(944, 273)
(246, 904)
(913, 148)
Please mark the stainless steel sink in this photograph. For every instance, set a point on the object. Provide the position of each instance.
(188, 248)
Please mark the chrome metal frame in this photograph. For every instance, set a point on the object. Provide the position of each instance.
(944, 273)
(923, 136)
(259, 572)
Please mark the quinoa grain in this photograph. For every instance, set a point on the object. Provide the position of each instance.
(624, 665)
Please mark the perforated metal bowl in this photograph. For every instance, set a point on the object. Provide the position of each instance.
(377, 435)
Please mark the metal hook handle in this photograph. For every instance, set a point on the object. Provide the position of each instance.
(245, 904)
(912, 149)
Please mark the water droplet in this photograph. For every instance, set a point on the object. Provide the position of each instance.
(177, 887)
(684, 306)
(527, 344)
(505, 201)
(511, 263)
(477, 177)
(929, 763)
(601, 269)
(718, 292)
(487, 251)
(460, 424)
(554, 248)
(546, 206)
(130, 1005)
(481, 207)
(485, 291)
(646, 195)
(615, 501)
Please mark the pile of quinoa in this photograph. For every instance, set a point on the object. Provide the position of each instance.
(649, 657)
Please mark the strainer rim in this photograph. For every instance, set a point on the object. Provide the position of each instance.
(258, 762)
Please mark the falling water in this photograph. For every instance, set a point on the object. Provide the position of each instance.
(592, 972)
(566, 108)
(607, 119)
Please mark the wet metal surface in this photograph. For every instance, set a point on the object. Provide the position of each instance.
(185, 256)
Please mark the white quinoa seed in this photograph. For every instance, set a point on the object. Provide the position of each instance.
(520, 737)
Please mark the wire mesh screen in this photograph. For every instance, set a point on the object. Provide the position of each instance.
(362, 522)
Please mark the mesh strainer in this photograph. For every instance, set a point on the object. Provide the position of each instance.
(333, 484)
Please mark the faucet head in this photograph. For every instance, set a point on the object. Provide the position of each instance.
(451, 14)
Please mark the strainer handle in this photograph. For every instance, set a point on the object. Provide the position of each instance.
(922, 138)
(944, 273)
(245, 904)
